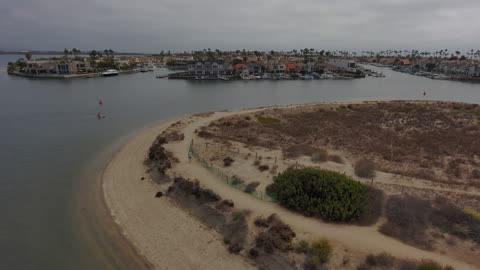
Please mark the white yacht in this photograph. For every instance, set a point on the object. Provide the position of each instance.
(110, 73)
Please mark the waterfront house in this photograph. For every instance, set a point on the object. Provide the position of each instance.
(208, 69)
(279, 68)
(291, 68)
(343, 64)
(40, 67)
(256, 68)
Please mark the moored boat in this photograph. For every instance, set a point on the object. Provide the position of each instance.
(110, 73)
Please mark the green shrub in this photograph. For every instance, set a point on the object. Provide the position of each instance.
(328, 194)
(365, 168)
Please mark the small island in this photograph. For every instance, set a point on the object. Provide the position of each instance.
(73, 64)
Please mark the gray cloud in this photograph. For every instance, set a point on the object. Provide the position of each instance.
(154, 25)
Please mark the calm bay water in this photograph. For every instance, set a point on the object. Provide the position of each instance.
(50, 137)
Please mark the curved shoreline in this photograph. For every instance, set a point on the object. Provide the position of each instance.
(96, 225)
(178, 241)
(134, 231)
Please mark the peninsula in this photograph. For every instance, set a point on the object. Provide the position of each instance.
(213, 190)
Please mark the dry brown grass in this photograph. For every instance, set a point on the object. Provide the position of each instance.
(365, 168)
(413, 139)
(410, 219)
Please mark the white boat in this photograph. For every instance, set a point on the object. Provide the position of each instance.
(327, 76)
(110, 73)
(267, 76)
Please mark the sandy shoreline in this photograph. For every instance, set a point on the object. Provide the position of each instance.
(171, 239)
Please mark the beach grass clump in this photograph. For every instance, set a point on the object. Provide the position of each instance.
(365, 168)
(301, 246)
(318, 253)
(327, 194)
(320, 156)
(336, 158)
(267, 120)
(472, 212)
(238, 215)
(341, 109)
(251, 187)
(227, 161)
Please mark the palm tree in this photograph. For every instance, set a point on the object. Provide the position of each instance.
(93, 54)
(28, 56)
(66, 52)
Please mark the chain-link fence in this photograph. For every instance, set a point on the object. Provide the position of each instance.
(231, 180)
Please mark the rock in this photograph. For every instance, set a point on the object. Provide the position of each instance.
(143, 178)
(159, 194)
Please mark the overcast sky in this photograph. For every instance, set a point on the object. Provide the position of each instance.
(178, 25)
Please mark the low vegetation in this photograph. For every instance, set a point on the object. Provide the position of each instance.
(158, 157)
(429, 141)
(320, 156)
(365, 168)
(251, 187)
(227, 161)
(263, 167)
(411, 218)
(386, 261)
(327, 194)
(267, 120)
(299, 150)
(320, 250)
(472, 212)
(336, 158)
(277, 235)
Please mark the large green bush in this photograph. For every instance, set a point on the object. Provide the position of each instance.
(328, 194)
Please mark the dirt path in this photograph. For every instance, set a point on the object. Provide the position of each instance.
(366, 239)
(167, 236)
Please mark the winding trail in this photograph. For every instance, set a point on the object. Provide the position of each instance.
(366, 239)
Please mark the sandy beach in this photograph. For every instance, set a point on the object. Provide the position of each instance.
(169, 238)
